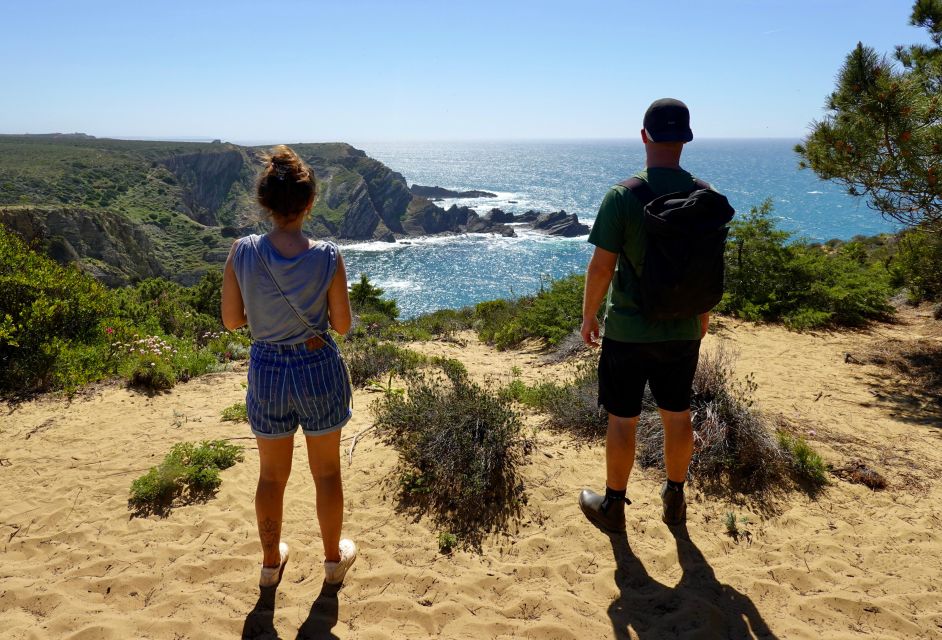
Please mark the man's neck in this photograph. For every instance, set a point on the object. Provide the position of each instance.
(662, 165)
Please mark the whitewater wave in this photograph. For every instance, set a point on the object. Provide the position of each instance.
(524, 235)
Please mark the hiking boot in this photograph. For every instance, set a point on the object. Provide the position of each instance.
(675, 507)
(606, 514)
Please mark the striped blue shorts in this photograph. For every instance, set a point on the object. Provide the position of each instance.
(289, 385)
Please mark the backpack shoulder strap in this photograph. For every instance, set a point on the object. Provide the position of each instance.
(640, 189)
(700, 184)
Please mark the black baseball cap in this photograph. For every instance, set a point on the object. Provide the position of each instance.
(668, 120)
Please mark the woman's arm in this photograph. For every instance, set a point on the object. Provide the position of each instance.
(233, 308)
(704, 324)
(338, 300)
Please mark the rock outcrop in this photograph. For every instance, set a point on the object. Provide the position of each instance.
(560, 223)
(440, 193)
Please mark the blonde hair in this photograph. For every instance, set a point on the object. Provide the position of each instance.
(287, 187)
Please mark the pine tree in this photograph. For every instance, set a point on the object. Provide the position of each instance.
(882, 135)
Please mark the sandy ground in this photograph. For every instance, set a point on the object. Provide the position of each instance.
(851, 563)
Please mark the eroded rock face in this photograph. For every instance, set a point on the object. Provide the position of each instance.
(120, 250)
(207, 180)
(499, 216)
(426, 218)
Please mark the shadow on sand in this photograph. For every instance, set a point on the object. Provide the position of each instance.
(698, 607)
(260, 625)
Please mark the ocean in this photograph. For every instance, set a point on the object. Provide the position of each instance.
(426, 274)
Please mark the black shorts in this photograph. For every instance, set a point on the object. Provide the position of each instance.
(625, 367)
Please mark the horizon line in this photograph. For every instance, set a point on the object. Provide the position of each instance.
(268, 141)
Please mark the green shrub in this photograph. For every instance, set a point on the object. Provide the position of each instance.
(459, 446)
(189, 470)
(60, 329)
(235, 413)
(157, 364)
(919, 263)
(572, 406)
(369, 359)
(44, 307)
(805, 461)
(805, 286)
(444, 324)
(367, 298)
(548, 316)
(446, 542)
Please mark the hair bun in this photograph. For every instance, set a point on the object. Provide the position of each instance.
(286, 186)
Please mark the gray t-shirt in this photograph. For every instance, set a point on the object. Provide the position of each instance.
(304, 279)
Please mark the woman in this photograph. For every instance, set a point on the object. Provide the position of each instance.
(288, 288)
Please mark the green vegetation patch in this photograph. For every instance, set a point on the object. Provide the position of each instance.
(60, 328)
(548, 316)
(189, 473)
(804, 286)
(235, 413)
(460, 446)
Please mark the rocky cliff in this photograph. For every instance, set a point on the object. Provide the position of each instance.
(105, 243)
(132, 209)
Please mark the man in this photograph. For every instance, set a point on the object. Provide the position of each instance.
(636, 350)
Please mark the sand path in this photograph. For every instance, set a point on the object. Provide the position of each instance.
(851, 564)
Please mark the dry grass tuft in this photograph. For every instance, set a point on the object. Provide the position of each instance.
(918, 361)
(733, 441)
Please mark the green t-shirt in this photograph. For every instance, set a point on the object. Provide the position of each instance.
(619, 228)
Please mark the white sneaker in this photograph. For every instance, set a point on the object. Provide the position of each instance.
(334, 572)
(271, 576)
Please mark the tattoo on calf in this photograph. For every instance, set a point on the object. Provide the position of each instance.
(268, 532)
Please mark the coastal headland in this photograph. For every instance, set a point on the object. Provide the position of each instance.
(125, 210)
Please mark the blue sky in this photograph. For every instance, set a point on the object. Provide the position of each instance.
(368, 71)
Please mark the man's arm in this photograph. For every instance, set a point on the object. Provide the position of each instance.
(598, 277)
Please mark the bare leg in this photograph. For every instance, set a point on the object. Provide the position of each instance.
(323, 455)
(620, 451)
(678, 443)
(274, 469)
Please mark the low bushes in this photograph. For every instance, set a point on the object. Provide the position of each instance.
(804, 286)
(369, 360)
(60, 328)
(918, 265)
(237, 412)
(734, 443)
(459, 447)
(189, 471)
(571, 406)
(549, 316)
